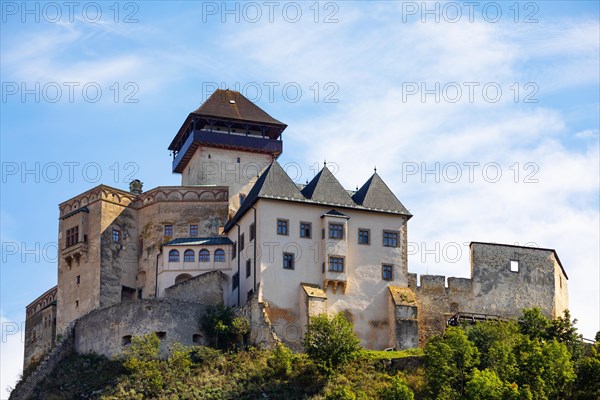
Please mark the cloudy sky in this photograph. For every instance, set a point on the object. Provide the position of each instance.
(483, 119)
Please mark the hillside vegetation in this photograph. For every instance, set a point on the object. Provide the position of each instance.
(530, 359)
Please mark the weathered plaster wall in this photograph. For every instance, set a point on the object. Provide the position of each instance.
(40, 334)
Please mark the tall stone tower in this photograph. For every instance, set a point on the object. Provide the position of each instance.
(226, 142)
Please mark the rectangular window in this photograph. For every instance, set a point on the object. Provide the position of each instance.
(234, 250)
(242, 198)
(72, 236)
(248, 268)
(78, 279)
(249, 295)
(363, 236)
(242, 244)
(235, 281)
(76, 303)
(168, 230)
(252, 231)
(116, 235)
(193, 230)
(390, 239)
(336, 264)
(305, 230)
(387, 272)
(514, 266)
(336, 231)
(282, 227)
(288, 261)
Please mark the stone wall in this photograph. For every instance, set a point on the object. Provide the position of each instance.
(205, 289)
(109, 330)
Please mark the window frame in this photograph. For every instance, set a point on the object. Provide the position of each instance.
(242, 242)
(220, 253)
(385, 239)
(291, 257)
(186, 255)
(284, 223)
(248, 268)
(252, 232)
(116, 236)
(387, 268)
(368, 233)
(168, 230)
(193, 230)
(334, 257)
(335, 230)
(204, 256)
(174, 255)
(235, 281)
(72, 236)
(303, 224)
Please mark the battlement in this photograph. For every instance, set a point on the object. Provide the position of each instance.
(46, 299)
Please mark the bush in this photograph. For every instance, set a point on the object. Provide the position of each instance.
(331, 341)
(341, 393)
(281, 361)
(223, 330)
(399, 390)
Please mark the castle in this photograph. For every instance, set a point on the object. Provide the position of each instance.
(240, 232)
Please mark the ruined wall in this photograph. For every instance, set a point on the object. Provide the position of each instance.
(204, 289)
(40, 334)
(108, 331)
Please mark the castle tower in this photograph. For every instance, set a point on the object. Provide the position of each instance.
(228, 141)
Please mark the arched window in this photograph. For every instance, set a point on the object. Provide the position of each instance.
(219, 255)
(173, 256)
(182, 277)
(189, 256)
(204, 256)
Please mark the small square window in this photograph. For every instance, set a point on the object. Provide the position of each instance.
(116, 235)
(363, 236)
(288, 261)
(336, 264)
(168, 230)
(390, 239)
(336, 231)
(387, 272)
(193, 230)
(305, 230)
(282, 227)
(514, 266)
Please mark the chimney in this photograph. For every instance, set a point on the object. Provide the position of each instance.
(135, 186)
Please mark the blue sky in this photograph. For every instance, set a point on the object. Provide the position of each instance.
(93, 96)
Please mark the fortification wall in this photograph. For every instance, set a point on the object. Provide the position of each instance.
(204, 289)
(108, 331)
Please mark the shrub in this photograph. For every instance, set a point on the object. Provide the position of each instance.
(399, 390)
(281, 361)
(331, 341)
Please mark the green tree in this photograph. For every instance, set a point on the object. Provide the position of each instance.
(143, 361)
(222, 329)
(587, 383)
(534, 324)
(331, 341)
(487, 385)
(398, 390)
(449, 360)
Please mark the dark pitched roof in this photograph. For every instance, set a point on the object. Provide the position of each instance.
(376, 195)
(334, 213)
(229, 104)
(325, 188)
(273, 183)
(217, 240)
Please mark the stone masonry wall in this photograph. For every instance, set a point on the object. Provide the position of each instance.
(204, 289)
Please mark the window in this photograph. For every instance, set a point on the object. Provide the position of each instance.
(242, 240)
(235, 281)
(125, 340)
(249, 295)
(219, 255)
(336, 231)
(193, 230)
(390, 239)
(336, 264)
(242, 198)
(282, 227)
(234, 251)
(363, 236)
(288, 261)
(204, 256)
(514, 266)
(78, 279)
(248, 268)
(76, 303)
(173, 256)
(252, 232)
(116, 235)
(189, 256)
(305, 230)
(168, 230)
(161, 335)
(387, 272)
(72, 236)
